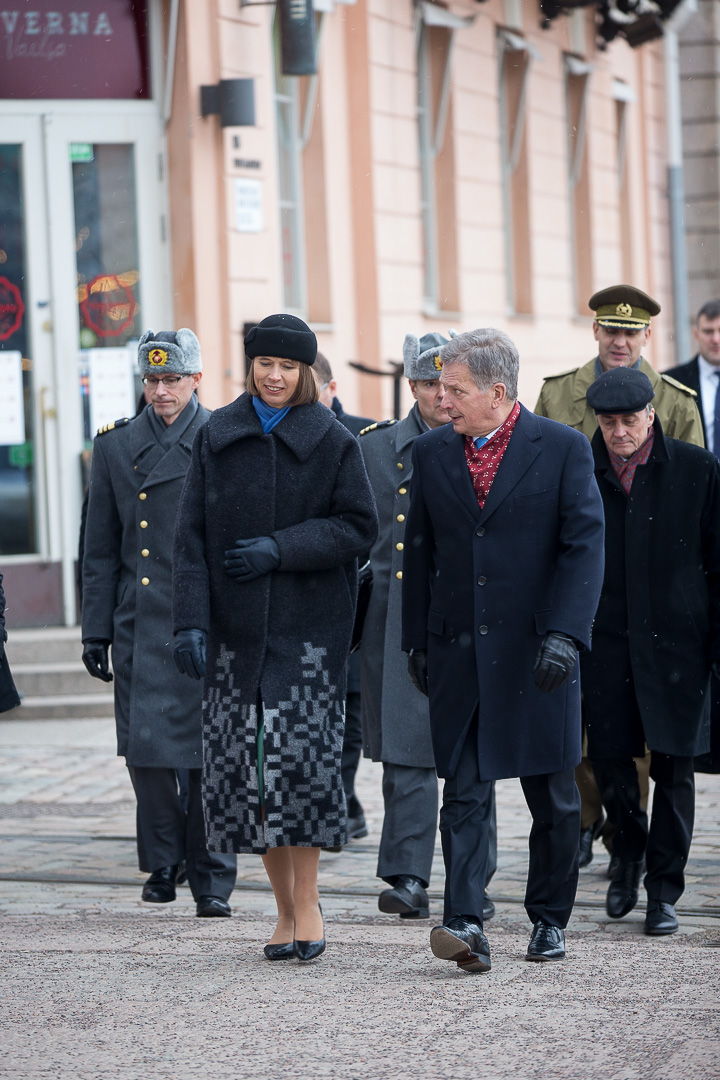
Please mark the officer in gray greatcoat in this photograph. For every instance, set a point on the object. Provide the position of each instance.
(396, 724)
(138, 472)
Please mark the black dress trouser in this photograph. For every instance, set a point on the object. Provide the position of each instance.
(666, 843)
(553, 801)
(168, 834)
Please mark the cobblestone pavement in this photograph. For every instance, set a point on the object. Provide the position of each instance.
(97, 984)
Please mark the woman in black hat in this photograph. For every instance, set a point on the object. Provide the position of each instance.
(276, 509)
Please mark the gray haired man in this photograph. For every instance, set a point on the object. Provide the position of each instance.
(137, 477)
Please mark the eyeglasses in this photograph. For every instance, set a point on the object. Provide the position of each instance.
(169, 381)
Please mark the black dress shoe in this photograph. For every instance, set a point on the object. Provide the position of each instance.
(587, 837)
(309, 950)
(160, 886)
(660, 918)
(547, 942)
(488, 907)
(407, 898)
(463, 941)
(622, 895)
(285, 951)
(209, 907)
(357, 827)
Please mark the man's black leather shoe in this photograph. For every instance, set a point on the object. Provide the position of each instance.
(660, 918)
(160, 886)
(488, 907)
(587, 837)
(407, 898)
(622, 895)
(463, 941)
(547, 942)
(213, 907)
(357, 827)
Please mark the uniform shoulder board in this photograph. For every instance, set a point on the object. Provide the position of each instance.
(678, 385)
(379, 424)
(115, 424)
(560, 374)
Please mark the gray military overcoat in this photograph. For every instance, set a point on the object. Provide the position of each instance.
(396, 723)
(135, 489)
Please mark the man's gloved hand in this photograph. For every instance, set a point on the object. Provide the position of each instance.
(715, 669)
(95, 658)
(555, 660)
(417, 670)
(190, 652)
(250, 559)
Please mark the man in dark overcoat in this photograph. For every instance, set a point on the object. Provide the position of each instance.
(501, 577)
(702, 374)
(352, 737)
(656, 637)
(137, 477)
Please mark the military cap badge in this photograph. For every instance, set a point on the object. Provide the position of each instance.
(158, 357)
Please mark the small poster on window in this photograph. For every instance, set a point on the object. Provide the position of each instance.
(112, 390)
(248, 205)
(12, 405)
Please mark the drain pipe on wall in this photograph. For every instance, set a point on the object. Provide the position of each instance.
(676, 184)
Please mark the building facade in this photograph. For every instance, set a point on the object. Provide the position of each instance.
(450, 165)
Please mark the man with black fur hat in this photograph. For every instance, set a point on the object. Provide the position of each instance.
(396, 722)
(656, 637)
(622, 330)
(137, 477)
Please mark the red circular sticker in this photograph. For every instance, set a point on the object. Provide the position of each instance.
(109, 306)
(11, 309)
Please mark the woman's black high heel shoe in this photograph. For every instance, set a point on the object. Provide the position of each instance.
(285, 951)
(309, 950)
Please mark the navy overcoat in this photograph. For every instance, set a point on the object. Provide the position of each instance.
(481, 588)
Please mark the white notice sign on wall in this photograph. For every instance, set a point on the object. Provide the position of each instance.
(112, 392)
(12, 406)
(248, 205)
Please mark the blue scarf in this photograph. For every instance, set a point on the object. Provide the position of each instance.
(268, 415)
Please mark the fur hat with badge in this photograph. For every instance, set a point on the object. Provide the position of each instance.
(176, 352)
(421, 356)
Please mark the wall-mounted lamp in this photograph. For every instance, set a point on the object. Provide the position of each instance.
(233, 99)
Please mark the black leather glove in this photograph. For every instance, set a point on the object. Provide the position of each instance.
(417, 670)
(95, 658)
(190, 652)
(250, 559)
(555, 660)
(715, 669)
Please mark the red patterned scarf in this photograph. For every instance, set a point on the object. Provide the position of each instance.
(625, 469)
(485, 462)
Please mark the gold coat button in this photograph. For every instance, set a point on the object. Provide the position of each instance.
(399, 547)
(145, 580)
(402, 491)
(401, 517)
(400, 465)
(143, 524)
(399, 575)
(142, 495)
(145, 553)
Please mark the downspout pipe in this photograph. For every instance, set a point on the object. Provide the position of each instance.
(675, 180)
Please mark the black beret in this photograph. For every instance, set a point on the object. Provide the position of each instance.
(621, 390)
(282, 335)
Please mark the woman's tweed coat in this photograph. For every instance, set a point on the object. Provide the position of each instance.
(280, 641)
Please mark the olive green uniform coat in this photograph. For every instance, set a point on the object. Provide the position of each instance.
(562, 398)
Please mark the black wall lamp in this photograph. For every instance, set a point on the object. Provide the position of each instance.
(233, 99)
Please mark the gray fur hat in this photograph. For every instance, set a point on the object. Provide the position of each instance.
(174, 351)
(421, 357)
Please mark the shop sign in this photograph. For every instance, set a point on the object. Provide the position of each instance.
(248, 206)
(12, 404)
(112, 389)
(108, 306)
(68, 49)
(11, 309)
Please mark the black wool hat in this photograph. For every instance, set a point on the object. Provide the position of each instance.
(621, 390)
(282, 335)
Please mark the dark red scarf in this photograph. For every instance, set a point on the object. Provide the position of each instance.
(485, 462)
